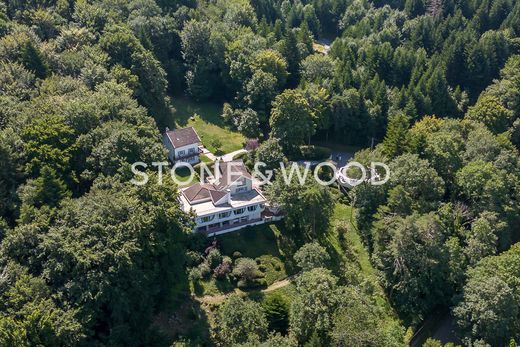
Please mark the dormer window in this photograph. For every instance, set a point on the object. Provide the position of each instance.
(252, 208)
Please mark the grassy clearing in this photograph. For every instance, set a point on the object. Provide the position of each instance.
(183, 175)
(205, 118)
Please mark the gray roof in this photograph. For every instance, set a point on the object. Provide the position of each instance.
(236, 169)
(183, 137)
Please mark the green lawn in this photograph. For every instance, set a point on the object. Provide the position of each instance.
(266, 242)
(205, 118)
(183, 175)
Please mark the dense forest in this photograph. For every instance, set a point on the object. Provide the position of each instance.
(430, 87)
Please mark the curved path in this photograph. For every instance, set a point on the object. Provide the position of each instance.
(217, 299)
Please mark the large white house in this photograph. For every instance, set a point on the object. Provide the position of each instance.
(228, 203)
(183, 145)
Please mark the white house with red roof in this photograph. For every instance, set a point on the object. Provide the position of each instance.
(228, 202)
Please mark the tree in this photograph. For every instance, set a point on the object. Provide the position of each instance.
(410, 251)
(246, 269)
(489, 309)
(483, 186)
(261, 90)
(490, 111)
(120, 282)
(310, 256)
(276, 309)
(307, 207)
(248, 123)
(31, 317)
(291, 119)
(34, 61)
(315, 301)
(396, 138)
(271, 62)
(292, 57)
(240, 321)
(418, 179)
(48, 142)
(317, 67)
(271, 153)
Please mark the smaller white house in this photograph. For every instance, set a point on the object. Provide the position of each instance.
(183, 145)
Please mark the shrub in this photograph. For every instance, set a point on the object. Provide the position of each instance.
(262, 267)
(222, 270)
(246, 269)
(195, 274)
(214, 258)
(205, 270)
(227, 260)
(193, 258)
(237, 254)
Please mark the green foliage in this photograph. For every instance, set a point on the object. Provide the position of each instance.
(316, 298)
(246, 269)
(276, 309)
(240, 321)
(489, 308)
(396, 138)
(291, 119)
(308, 206)
(310, 256)
(34, 61)
(271, 153)
(490, 111)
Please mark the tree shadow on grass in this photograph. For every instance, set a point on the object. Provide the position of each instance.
(186, 108)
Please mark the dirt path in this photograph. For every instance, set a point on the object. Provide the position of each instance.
(217, 299)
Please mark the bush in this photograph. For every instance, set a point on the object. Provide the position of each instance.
(193, 258)
(246, 269)
(237, 254)
(222, 271)
(214, 258)
(314, 152)
(205, 270)
(195, 274)
(262, 267)
(227, 260)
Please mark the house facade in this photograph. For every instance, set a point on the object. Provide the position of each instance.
(227, 203)
(183, 145)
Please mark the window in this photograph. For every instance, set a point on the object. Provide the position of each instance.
(239, 211)
(207, 219)
(224, 214)
(241, 182)
(181, 152)
(191, 150)
(241, 189)
(251, 208)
